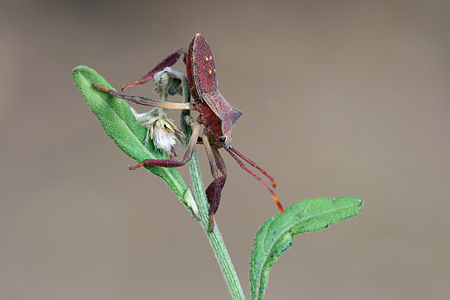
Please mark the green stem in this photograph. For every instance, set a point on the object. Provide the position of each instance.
(215, 238)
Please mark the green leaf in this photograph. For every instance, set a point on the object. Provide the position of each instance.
(119, 123)
(275, 236)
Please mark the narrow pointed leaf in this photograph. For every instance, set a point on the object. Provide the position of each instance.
(275, 236)
(119, 123)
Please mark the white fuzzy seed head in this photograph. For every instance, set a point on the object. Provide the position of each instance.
(162, 130)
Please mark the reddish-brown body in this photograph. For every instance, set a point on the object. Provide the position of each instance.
(201, 74)
(216, 115)
(213, 125)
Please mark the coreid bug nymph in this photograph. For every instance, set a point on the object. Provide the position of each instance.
(216, 116)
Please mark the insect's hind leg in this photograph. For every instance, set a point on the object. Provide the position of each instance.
(171, 163)
(167, 62)
(214, 190)
(144, 101)
(219, 160)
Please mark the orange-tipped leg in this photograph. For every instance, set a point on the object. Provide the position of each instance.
(129, 84)
(211, 224)
(280, 207)
(137, 166)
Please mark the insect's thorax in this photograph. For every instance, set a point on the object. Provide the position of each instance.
(208, 118)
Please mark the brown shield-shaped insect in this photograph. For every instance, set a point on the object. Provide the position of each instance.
(216, 116)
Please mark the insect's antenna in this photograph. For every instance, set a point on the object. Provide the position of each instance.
(241, 164)
(253, 164)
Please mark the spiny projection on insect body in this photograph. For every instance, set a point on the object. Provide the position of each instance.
(213, 126)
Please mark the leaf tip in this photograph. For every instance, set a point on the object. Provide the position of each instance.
(82, 70)
(360, 203)
(77, 69)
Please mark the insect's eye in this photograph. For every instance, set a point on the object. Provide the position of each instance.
(222, 139)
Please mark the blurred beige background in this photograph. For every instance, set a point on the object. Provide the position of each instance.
(339, 98)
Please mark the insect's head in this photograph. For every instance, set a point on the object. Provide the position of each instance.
(225, 140)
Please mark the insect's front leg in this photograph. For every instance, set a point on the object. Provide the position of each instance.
(145, 101)
(171, 163)
(167, 62)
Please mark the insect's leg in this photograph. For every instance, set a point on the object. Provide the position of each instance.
(211, 158)
(214, 190)
(221, 180)
(167, 62)
(274, 184)
(219, 160)
(241, 164)
(171, 163)
(145, 101)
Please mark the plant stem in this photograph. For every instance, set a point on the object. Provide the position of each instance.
(215, 238)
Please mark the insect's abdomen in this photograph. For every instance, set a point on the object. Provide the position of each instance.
(203, 82)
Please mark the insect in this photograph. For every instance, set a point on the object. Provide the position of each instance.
(213, 126)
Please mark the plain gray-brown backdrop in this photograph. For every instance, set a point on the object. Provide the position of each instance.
(339, 98)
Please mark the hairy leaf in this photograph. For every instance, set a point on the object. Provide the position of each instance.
(119, 123)
(275, 236)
